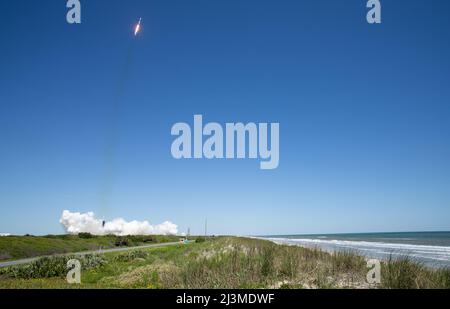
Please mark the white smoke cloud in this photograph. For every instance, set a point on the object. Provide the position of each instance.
(4, 234)
(75, 223)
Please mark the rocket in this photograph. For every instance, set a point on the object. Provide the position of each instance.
(137, 29)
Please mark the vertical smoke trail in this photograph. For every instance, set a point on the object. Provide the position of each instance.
(112, 138)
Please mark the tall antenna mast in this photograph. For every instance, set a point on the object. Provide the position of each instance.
(206, 227)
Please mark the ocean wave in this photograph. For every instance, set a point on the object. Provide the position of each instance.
(430, 255)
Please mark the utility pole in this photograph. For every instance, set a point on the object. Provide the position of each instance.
(206, 227)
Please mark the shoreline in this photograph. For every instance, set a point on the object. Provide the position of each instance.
(431, 256)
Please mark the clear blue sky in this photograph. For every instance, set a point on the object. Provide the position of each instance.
(363, 109)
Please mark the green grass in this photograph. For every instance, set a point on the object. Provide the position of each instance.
(229, 262)
(405, 273)
(19, 247)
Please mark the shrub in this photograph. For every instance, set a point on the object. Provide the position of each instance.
(200, 239)
(85, 235)
(121, 241)
(49, 267)
(141, 239)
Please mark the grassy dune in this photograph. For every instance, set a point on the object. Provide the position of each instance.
(224, 263)
(19, 247)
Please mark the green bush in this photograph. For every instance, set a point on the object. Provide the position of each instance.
(85, 235)
(136, 239)
(49, 267)
(200, 240)
(121, 241)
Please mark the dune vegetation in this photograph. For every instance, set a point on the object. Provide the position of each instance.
(225, 262)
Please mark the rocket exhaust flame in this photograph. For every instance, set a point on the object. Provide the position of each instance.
(137, 29)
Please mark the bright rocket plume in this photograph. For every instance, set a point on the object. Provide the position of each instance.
(137, 29)
(75, 223)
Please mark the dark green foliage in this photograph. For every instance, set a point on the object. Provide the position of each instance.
(121, 242)
(200, 240)
(136, 240)
(85, 235)
(49, 267)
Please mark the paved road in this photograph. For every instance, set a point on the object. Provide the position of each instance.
(26, 261)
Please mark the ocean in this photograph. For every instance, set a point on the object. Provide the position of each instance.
(430, 248)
